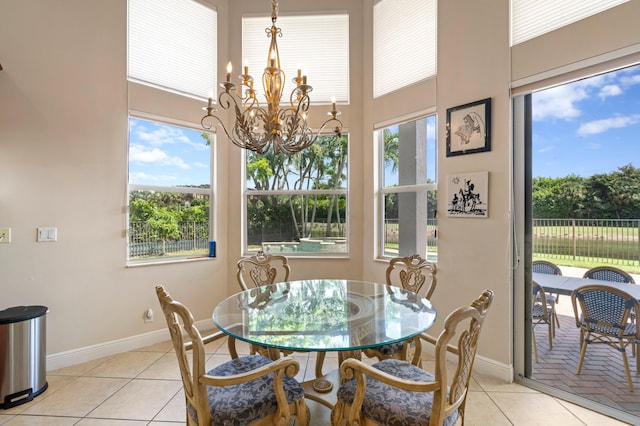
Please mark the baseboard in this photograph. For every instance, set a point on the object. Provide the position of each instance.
(101, 350)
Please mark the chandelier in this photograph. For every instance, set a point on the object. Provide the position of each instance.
(257, 127)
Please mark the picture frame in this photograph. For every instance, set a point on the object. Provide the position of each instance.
(469, 128)
(468, 195)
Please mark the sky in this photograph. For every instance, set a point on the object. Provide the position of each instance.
(588, 127)
(584, 128)
(166, 155)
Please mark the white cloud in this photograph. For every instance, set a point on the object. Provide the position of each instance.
(145, 178)
(558, 102)
(163, 135)
(142, 154)
(561, 102)
(546, 149)
(610, 90)
(599, 126)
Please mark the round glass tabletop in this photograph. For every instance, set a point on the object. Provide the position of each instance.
(324, 315)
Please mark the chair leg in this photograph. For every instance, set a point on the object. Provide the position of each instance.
(552, 333)
(535, 347)
(626, 369)
(583, 351)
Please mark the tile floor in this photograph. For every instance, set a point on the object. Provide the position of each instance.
(143, 387)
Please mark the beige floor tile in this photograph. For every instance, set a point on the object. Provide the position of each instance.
(126, 365)
(78, 369)
(527, 409)
(41, 421)
(481, 411)
(5, 418)
(174, 411)
(138, 400)
(77, 398)
(165, 368)
(320, 415)
(590, 417)
(491, 384)
(107, 422)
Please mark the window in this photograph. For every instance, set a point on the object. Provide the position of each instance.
(530, 19)
(169, 191)
(316, 44)
(408, 188)
(401, 58)
(298, 204)
(172, 45)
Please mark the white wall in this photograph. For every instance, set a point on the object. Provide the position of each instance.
(64, 103)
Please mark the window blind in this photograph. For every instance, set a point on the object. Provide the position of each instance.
(318, 44)
(172, 44)
(532, 18)
(404, 43)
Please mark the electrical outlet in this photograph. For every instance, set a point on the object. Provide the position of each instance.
(5, 235)
(147, 316)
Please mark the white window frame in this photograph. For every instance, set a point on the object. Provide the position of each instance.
(399, 189)
(173, 189)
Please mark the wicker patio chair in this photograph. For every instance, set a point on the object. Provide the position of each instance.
(251, 390)
(549, 268)
(603, 318)
(413, 273)
(608, 273)
(541, 313)
(397, 392)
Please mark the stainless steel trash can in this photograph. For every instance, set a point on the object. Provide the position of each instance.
(22, 354)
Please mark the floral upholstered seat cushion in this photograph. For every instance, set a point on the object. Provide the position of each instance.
(390, 406)
(247, 402)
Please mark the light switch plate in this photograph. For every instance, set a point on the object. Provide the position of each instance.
(46, 234)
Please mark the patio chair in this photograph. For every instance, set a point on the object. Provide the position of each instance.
(609, 273)
(396, 392)
(252, 388)
(541, 313)
(546, 267)
(413, 273)
(603, 318)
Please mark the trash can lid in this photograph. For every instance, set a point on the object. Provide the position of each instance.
(21, 313)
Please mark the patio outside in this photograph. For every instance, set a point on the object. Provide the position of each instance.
(602, 378)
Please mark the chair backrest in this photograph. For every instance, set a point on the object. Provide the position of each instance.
(467, 321)
(609, 273)
(603, 308)
(180, 323)
(411, 273)
(261, 269)
(545, 267)
(539, 307)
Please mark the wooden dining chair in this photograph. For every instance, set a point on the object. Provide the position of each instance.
(549, 268)
(416, 274)
(603, 318)
(252, 388)
(542, 313)
(396, 392)
(261, 269)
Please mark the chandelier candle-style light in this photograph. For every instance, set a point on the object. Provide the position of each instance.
(258, 127)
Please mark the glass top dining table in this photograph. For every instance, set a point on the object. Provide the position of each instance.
(324, 315)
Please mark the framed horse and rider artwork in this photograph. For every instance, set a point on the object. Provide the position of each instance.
(468, 195)
(469, 128)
